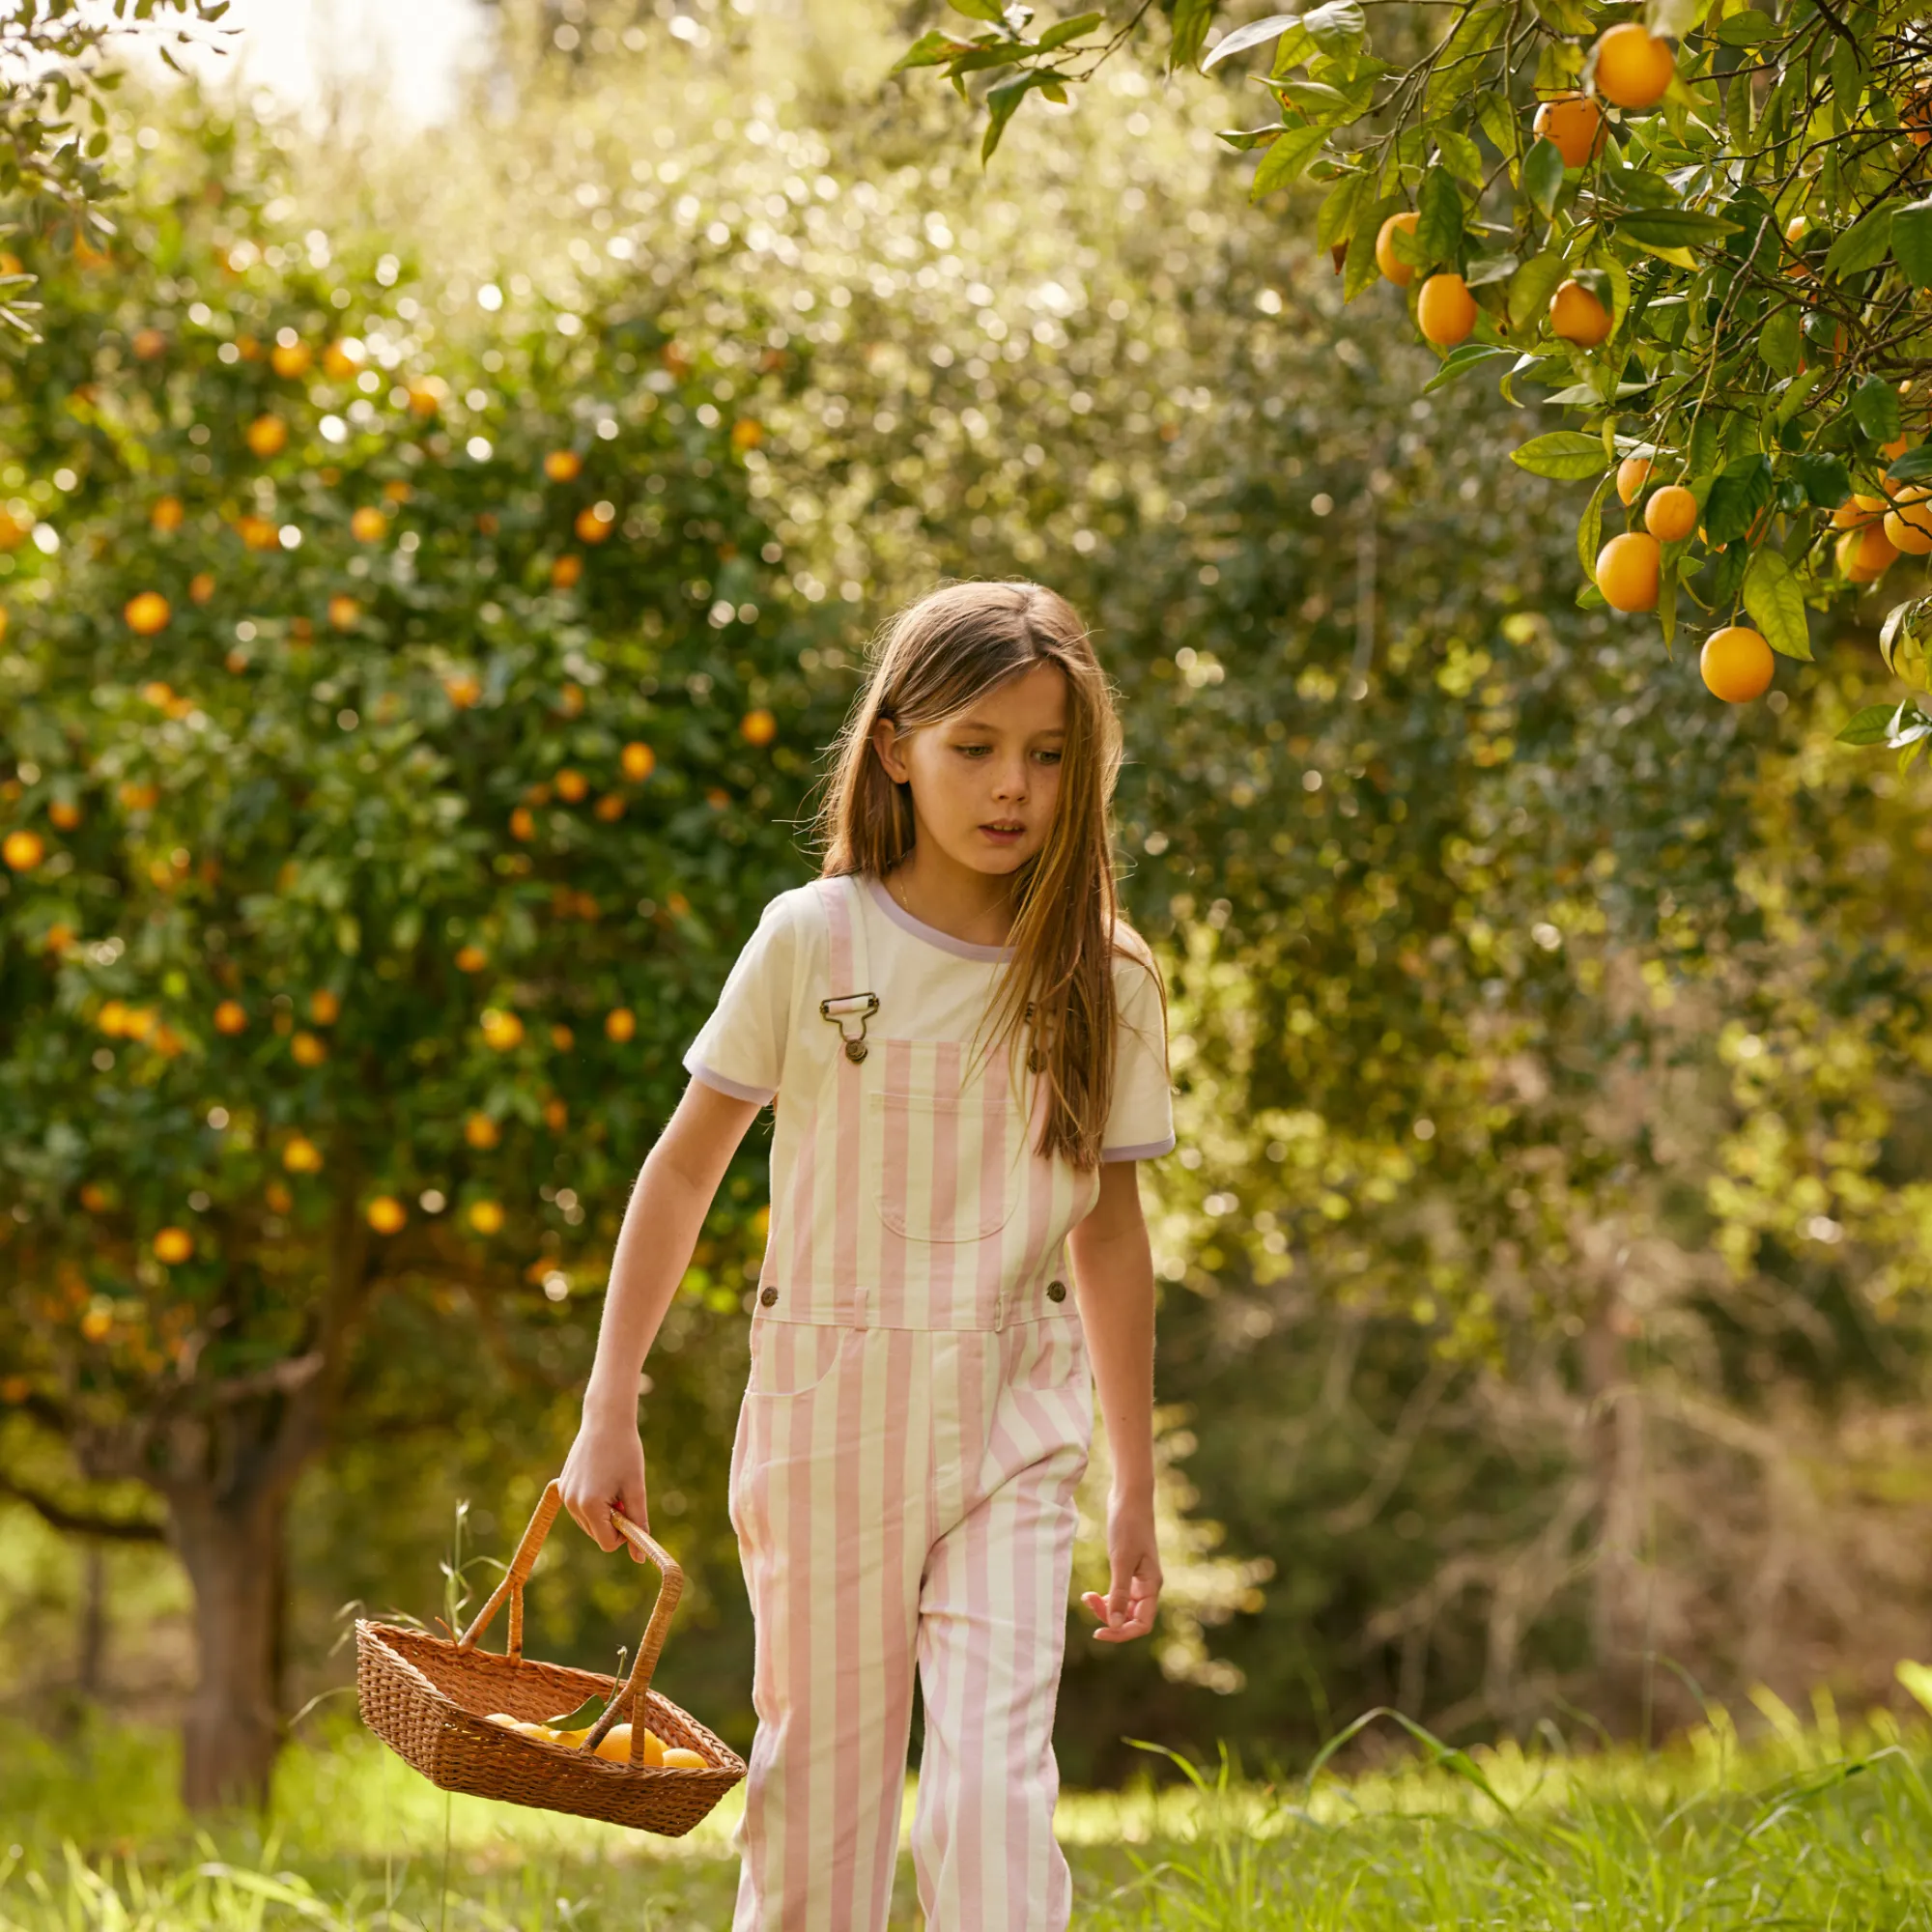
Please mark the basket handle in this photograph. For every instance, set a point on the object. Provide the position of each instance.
(631, 1695)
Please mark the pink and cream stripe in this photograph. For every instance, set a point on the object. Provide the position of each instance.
(917, 1419)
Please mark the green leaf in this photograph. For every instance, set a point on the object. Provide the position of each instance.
(930, 50)
(1543, 175)
(1742, 493)
(1286, 159)
(1747, 29)
(1673, 227)
(1590, 598)
(1186, 30)
(1359, 270)
(1848, 77)
(1003, 100)
(1337, 25)
(1253, 35)
(1863, 245)
(1914, 466)
(1532, 287)
(1340, 206)
(1776, 604)
(1482, 270)
(1458, 69)
(1912, 242)
(1667, 598)
(1875, 408)
(1246, 139)
(1438, 228)
(1672, 17)
(1459, 156)
(1564, 454)
(1461, 360)
(1824, 480)
(1296, 45)
(1872, 726)
(1590, 526)
(586, 1713)
(1062, 31)
(1779, 345)
(979, 10)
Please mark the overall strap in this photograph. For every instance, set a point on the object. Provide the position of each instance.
(850, 1001)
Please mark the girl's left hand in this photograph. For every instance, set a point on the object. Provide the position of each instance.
(1127, 1610)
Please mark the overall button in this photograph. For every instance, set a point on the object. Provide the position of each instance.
(1056, 1290)
(768, 1295)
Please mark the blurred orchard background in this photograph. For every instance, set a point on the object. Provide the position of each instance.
(442, 525)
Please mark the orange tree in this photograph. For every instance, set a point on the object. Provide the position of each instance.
(1703, 228)
(396, 732)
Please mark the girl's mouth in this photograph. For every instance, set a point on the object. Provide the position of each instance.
(1004, 833)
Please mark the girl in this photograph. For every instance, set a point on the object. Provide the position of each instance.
(967, 1049)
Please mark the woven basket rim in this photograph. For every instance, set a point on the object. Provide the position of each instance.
(376, 1633)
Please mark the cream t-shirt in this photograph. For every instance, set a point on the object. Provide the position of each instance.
(934, 988)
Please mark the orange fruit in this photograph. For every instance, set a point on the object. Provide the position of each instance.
(65, 814)
(1633, 66)
(1632, 473)
(1908, 523)
(1855, 512)
(1627, 571)
(640, 762)
(96, 1325)
(1576, 316)
(289, 359)
(556, 1116)
(481, 1132)
(231, 1016)
(308, 1049)
(757, 727)
(470, 959)
(487, 1218)
(1575, 124)
(677, 1758)
(561, 1037)
(502, 1029)
(174, 1245)
(258, 532)
(462, 690)
(595, 523)
(1445, 311)
(571, 786)
(23, 850)
(565, 571)
(301, 1156)
(387, 1214)
(562, 466)
(426, 395)
(342, 611)
(148, 343)
(13, 529)
(1864, 554)
(1671, 514)
(1394, 271)
(278, 1197)
(200, 587)
(396, 491)
(340, 361)
(620, 1024)
(95, 1198)
(166, 516)
(368, 524)
(145, 612)
(266, 436)
(522, 825)
(611, 806)
(746, 433)
(1736, 663)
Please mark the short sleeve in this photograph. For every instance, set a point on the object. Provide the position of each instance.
(740, 1050)
(1140, 1124)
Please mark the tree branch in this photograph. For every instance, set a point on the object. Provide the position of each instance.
(81, 1522)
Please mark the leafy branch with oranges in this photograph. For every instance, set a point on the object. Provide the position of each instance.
(1702, 228)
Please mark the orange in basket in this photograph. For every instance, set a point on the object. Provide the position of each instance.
(429, 1698)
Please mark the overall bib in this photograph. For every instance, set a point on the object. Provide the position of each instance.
(917, 1417)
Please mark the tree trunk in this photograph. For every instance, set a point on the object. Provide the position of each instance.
(231, 1545)
(1614, 1435)
(91, 1675)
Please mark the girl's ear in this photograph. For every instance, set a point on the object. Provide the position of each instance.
(892, 753)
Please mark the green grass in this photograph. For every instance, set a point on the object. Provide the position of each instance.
(1800, 1828)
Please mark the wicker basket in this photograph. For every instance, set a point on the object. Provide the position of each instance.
(427, 1699)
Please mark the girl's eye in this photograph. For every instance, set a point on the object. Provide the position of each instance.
(1050, 758)
(972, 750)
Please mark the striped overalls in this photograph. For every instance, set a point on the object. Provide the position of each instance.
(917, 1418)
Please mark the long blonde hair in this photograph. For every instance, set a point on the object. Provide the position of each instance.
(933, 661)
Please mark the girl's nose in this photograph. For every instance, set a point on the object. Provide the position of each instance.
(1011, 783)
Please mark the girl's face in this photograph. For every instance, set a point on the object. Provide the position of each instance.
(985, 784)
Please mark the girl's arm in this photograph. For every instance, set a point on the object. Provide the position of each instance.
(1113, 1279)
(666, 1211)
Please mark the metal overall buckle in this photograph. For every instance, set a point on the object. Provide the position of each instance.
(843, 1006)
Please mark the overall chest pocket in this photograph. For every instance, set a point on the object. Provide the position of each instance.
(949, 1167)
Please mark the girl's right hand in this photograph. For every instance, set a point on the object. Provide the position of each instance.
(604, 1468)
